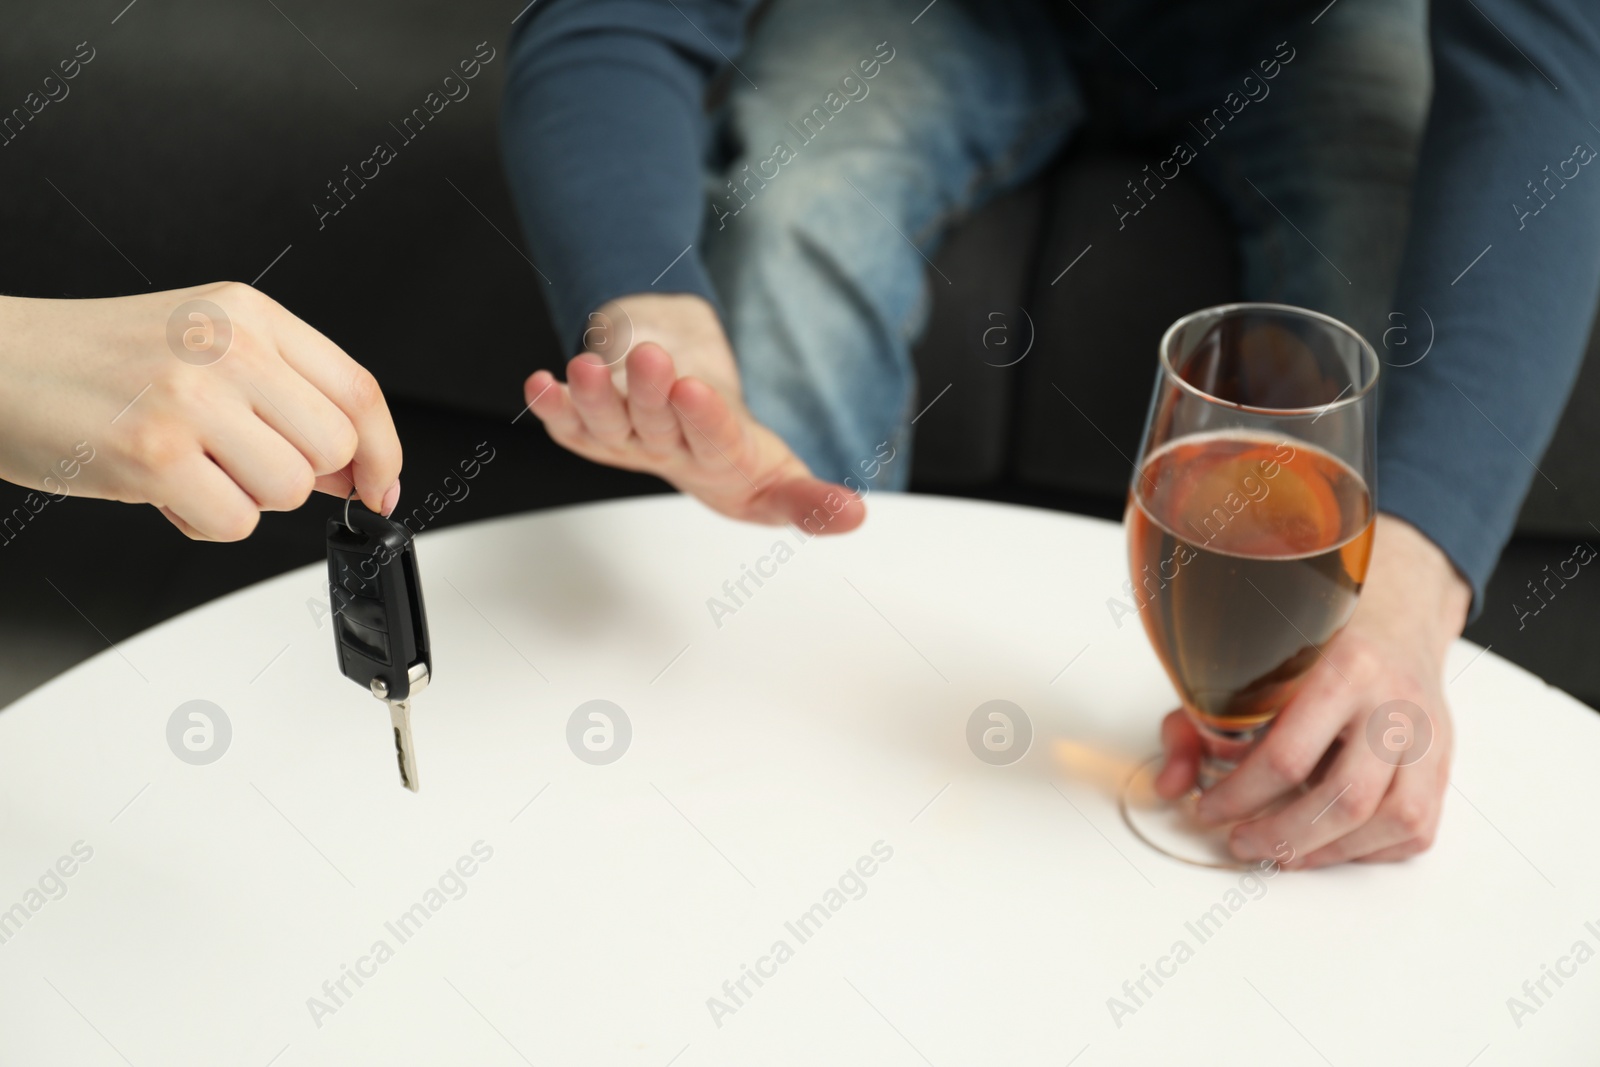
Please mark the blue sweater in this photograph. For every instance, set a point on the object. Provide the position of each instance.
(605, 141)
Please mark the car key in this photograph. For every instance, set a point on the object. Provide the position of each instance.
(380, 626)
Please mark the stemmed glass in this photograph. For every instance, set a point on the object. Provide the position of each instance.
(1250, 520)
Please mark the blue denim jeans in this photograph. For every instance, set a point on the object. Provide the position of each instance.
(852, 139)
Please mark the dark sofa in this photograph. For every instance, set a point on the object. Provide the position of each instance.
(204, 142)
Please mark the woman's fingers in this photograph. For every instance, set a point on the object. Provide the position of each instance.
(202, 499)
(183, 527)
(355, 392)
(339, 482)
(261, 461)
(305, 418)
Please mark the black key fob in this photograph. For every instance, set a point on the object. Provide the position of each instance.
(380, 626)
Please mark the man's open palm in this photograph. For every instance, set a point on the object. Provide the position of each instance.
(687, 433)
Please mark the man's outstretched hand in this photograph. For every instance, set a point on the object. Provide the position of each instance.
(1360, 806)
(693, 431)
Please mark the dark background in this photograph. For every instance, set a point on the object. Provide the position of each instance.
(192, 149)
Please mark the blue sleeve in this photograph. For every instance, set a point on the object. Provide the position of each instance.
(1503, 257)
(604, 134)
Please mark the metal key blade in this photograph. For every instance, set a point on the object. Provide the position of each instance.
(404, 750)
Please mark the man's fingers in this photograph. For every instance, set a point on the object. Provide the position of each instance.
(650, 378)
(1340, 804)
(813, 505)
(709, 425)
(551, 402)
(598, 403)
(717, 439)
(1287, 755)
(355, 392)
(203, 500)
(640, 415)
(1392, 854)
(1182, 744)
(1403, 825)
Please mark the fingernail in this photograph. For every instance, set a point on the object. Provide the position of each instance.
(1243, 847)
(391, 498)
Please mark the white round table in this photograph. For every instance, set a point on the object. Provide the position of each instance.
(797, 859)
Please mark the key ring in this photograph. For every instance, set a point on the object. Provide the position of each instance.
(347, 525)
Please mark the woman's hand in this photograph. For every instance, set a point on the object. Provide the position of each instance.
(212, 403)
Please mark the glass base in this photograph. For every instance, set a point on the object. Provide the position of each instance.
(1170, 826)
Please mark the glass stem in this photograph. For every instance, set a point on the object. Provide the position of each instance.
(1222, 750)
(1212, 770)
